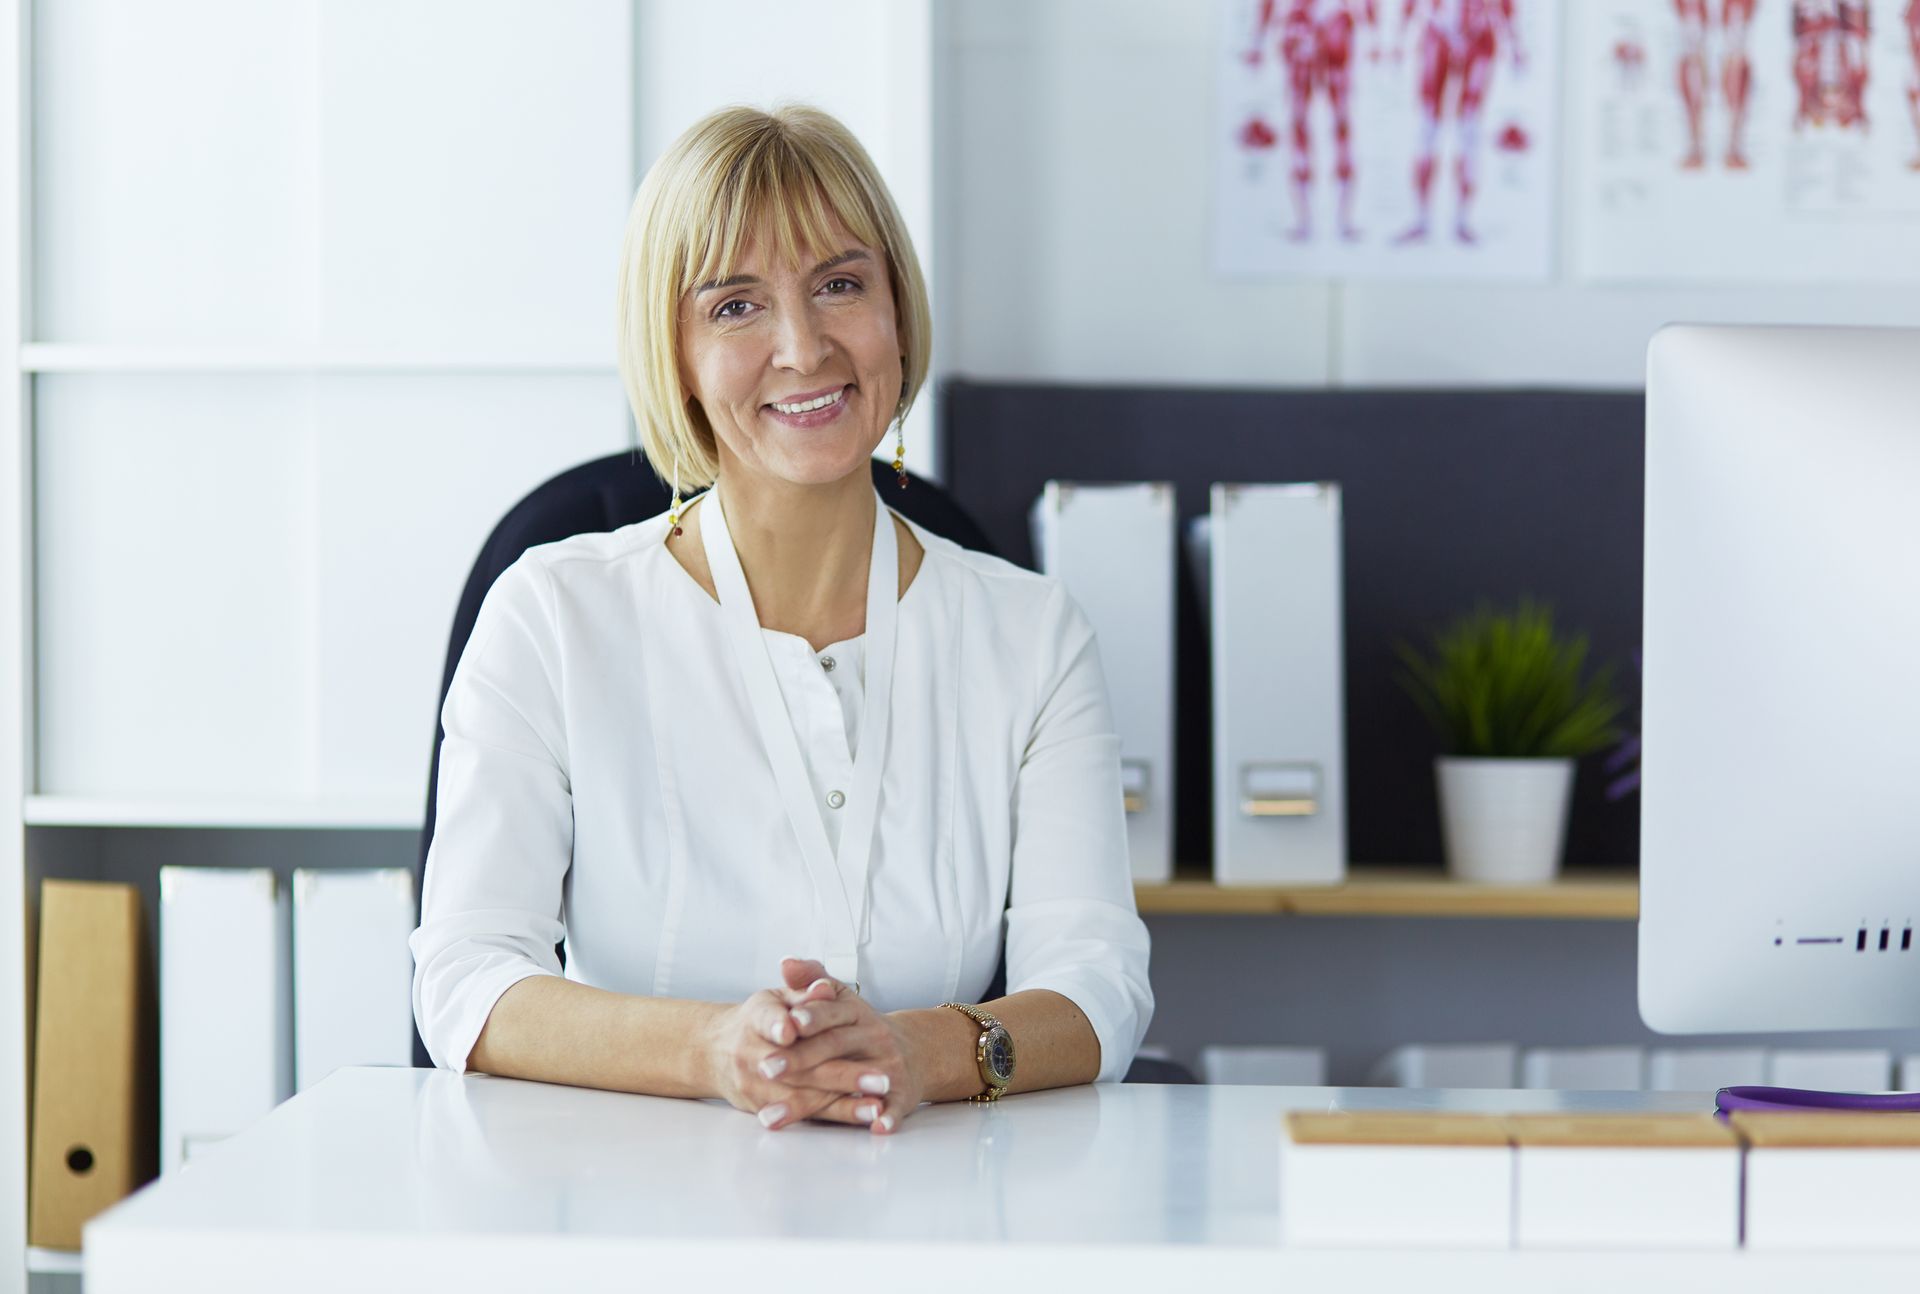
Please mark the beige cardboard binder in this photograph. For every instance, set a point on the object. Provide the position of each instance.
(93, 1091)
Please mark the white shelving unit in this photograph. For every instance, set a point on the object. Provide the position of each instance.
(41, 358)
(375, 813)
(15, 666)
(308, 295)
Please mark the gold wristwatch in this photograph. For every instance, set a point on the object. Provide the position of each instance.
(993, 1053)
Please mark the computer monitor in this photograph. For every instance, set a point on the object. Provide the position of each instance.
(1780, 764)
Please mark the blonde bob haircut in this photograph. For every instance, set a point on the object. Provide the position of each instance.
(790, 174)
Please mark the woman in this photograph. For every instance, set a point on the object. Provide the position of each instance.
(780, 719)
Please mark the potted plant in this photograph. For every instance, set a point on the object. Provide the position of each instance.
(1506, 696)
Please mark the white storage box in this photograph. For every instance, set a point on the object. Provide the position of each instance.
(1113, 546)
(1460, 1064)
(1705, 1069)
(1830, 1070)
(1831, 1180)
(1625, 1182)
(1584, 1069)
(1275, 618)
(1264, 1066)
(226, 1005)
(352, 971)
(1430, 1181)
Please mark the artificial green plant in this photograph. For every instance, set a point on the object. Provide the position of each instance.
(1501, 684)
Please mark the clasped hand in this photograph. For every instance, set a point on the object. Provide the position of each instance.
(813, 1049)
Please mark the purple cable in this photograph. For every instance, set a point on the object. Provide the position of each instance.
(1728, 1099)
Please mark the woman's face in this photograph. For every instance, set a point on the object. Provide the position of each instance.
(798, 370)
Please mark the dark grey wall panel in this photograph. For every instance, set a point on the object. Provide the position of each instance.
(1360, 986)
(1449, 497)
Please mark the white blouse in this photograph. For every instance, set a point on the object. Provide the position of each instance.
(604, 780)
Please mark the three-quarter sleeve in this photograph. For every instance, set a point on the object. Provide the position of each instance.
(1071, 922)
(491, 909)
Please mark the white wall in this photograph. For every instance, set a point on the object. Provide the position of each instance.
(1076, 179)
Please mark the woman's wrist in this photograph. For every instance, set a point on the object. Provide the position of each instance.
(941, 1044)
(701, 1063)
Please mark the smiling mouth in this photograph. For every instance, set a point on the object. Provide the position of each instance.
(809, 406)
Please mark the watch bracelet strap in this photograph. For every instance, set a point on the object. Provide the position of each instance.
(986, 1021)
(973, 1013)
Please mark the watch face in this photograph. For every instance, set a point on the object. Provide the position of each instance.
(1000, 1053)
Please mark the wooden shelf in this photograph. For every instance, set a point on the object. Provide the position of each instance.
(1401, 892)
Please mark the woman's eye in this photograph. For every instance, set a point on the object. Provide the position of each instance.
(727, 310)
(839, 287)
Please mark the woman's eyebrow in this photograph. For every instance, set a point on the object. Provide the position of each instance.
(844, 258)
(715, 285)
(743, 280)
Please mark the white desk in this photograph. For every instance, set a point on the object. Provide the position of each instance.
(421, 1180)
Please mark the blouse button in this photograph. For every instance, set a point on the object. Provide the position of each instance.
(835, 799)
(826, 663)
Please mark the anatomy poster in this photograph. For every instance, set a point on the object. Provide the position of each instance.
(1387, 138)
(1747, 140)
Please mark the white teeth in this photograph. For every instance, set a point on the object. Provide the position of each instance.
(808, 406)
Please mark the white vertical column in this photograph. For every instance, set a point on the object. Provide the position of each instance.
(13, 657)
(905, 152)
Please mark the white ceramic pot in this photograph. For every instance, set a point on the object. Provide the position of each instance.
(1504, 820)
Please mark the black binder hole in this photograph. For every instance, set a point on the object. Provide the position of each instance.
(1883, 939)
(80, 1160)
(1860, 942)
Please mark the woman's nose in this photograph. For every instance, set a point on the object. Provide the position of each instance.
(800, 343)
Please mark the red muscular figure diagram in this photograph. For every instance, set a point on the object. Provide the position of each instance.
(1458, 45)
(1830, 62)
(1913, 85)
(1315, 49)
(1733, 19)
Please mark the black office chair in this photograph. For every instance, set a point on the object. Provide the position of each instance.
(619, 490)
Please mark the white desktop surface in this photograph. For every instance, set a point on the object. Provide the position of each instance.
(424, 1180)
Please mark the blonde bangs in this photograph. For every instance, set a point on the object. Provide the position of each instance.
(775, 190)
(791, 175)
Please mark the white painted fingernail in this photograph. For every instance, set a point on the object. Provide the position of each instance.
(772, 1066)
(817, 983)
(779, 1033)
(865, 1113)
(772, 1115)
(886, 1121)
(875, 1083)
(802, 1018)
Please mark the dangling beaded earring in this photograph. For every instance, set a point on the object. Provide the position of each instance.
(673, 513)
(900, 452)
